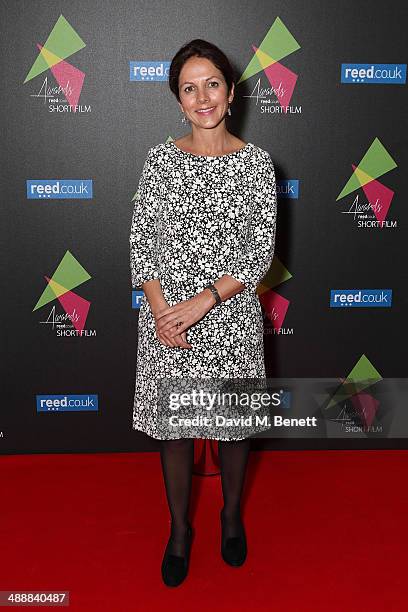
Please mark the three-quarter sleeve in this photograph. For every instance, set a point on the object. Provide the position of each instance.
(255, 255)
(143, 232)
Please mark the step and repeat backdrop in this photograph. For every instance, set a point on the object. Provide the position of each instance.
(320, 86)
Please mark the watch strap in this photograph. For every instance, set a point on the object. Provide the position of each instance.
(215, 293)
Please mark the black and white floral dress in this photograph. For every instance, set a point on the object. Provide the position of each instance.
(195, 219)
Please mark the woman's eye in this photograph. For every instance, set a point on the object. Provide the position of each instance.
(211, 83)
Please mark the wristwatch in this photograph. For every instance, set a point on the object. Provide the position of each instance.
(215, 293)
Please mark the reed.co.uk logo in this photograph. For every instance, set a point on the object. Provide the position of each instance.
(68, 275)
(373, 74)
(372, 211)
(59, 189)
(137, 296)
(149, 70)
(361, 298)
(67, 403)
(287, 188)
(277, 44)
(62, 42)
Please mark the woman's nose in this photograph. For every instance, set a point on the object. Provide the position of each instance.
(202, 96)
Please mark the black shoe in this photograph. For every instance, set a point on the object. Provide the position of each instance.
(233, 550)
(175, 568)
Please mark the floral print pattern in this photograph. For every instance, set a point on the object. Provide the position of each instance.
(195, 219)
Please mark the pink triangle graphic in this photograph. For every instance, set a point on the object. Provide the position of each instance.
(379, 195)
(69, 78)
(275, 307)
(282, 80)
(75, 306)
(366, 406)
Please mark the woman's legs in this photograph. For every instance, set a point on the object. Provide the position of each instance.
(177, 458)
(233, 460)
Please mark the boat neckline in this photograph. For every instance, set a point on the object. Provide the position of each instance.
(242, 149)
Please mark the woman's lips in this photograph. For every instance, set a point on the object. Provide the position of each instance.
(206, 112)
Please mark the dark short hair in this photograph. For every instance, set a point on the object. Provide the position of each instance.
(199, 48)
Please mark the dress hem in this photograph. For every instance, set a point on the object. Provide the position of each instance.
(190, 437)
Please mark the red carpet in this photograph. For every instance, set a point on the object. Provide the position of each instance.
(327, 531)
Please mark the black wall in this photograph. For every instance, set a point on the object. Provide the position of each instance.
(322, 248)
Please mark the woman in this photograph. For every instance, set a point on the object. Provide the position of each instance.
(202, 237)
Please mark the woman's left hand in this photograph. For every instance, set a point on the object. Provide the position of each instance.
(188, 311)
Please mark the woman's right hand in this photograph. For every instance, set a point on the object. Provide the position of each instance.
(172, 341)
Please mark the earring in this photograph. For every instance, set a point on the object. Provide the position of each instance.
(229, 110)
(184, 119)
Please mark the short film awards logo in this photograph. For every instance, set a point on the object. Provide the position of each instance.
(68, 275)
(275, 306)
(277, 45)
(371, 211)
(62, 42)
(352, 408)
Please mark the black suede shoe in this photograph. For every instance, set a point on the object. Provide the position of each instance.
(233, 550)
(175, 568)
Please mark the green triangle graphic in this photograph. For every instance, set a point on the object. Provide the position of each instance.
(69, 274)
(376, 162)
(278, 43)
(362, 376)
(277, 274)
(63, 42)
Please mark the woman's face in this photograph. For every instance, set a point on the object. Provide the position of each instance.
(202, 86)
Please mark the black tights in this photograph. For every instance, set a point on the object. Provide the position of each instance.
(177, 459)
